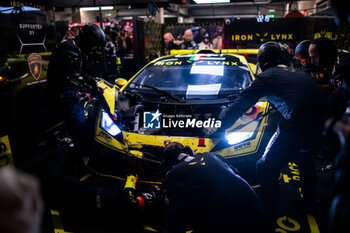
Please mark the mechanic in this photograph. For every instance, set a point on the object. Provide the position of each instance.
(323, 54)
(67, 63)
(188, 43)
(203, 193)
(302, 105)
(302, 55)
(339, 211)
(338, 103)
(120, 46)
(102, 61)
(170, 42)
(205, 44)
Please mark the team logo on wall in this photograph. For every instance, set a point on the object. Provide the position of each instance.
(35, 65)
(262, 37)
(151, 120)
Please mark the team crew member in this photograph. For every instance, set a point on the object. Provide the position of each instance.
(204, 193)
(302, 55)
(323, 54)
(66, 64)
(303, 107)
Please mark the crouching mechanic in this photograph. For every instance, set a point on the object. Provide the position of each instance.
(203, 193)
(302, 105)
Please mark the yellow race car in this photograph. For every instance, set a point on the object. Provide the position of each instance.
(178, 98)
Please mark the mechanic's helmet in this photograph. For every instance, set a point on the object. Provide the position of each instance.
(302, 51)
(271, 54)
(91, 35)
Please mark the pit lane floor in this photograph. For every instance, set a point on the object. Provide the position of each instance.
(290, 215)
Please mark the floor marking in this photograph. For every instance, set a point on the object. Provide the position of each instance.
(313, 224)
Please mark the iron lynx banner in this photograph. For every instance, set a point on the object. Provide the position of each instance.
(248, 33)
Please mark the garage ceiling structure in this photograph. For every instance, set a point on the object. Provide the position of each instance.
(175, 8)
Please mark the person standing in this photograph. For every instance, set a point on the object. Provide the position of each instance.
(323, 55)
(200, 36)
(170, 42)
(188, 43)
(205, 44)
(217, 41)
(303, 107)
(67, 63)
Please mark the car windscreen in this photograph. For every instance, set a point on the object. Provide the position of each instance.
(194, 81)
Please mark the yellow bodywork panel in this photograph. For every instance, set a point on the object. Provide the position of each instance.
(133, 142)
(109, 95)
(222, 51)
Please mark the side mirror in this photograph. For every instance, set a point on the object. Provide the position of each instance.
(120, 82)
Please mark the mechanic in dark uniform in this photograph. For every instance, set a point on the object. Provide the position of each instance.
(340, 205)
(203, 193)
(323, 54)
(67, 63)
(102, 61)
(302, 105)
(302, 55)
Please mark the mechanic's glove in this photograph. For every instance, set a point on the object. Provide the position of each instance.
(131, 182)
(129, 188)
(148, 198)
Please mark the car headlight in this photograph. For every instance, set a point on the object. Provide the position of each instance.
(242, 134)
(108, 124)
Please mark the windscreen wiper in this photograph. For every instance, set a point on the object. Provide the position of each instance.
(172, 96)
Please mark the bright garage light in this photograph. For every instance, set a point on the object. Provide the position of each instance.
(211, 1)
(104, 8)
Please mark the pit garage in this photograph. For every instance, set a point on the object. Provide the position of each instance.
(174, 116)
